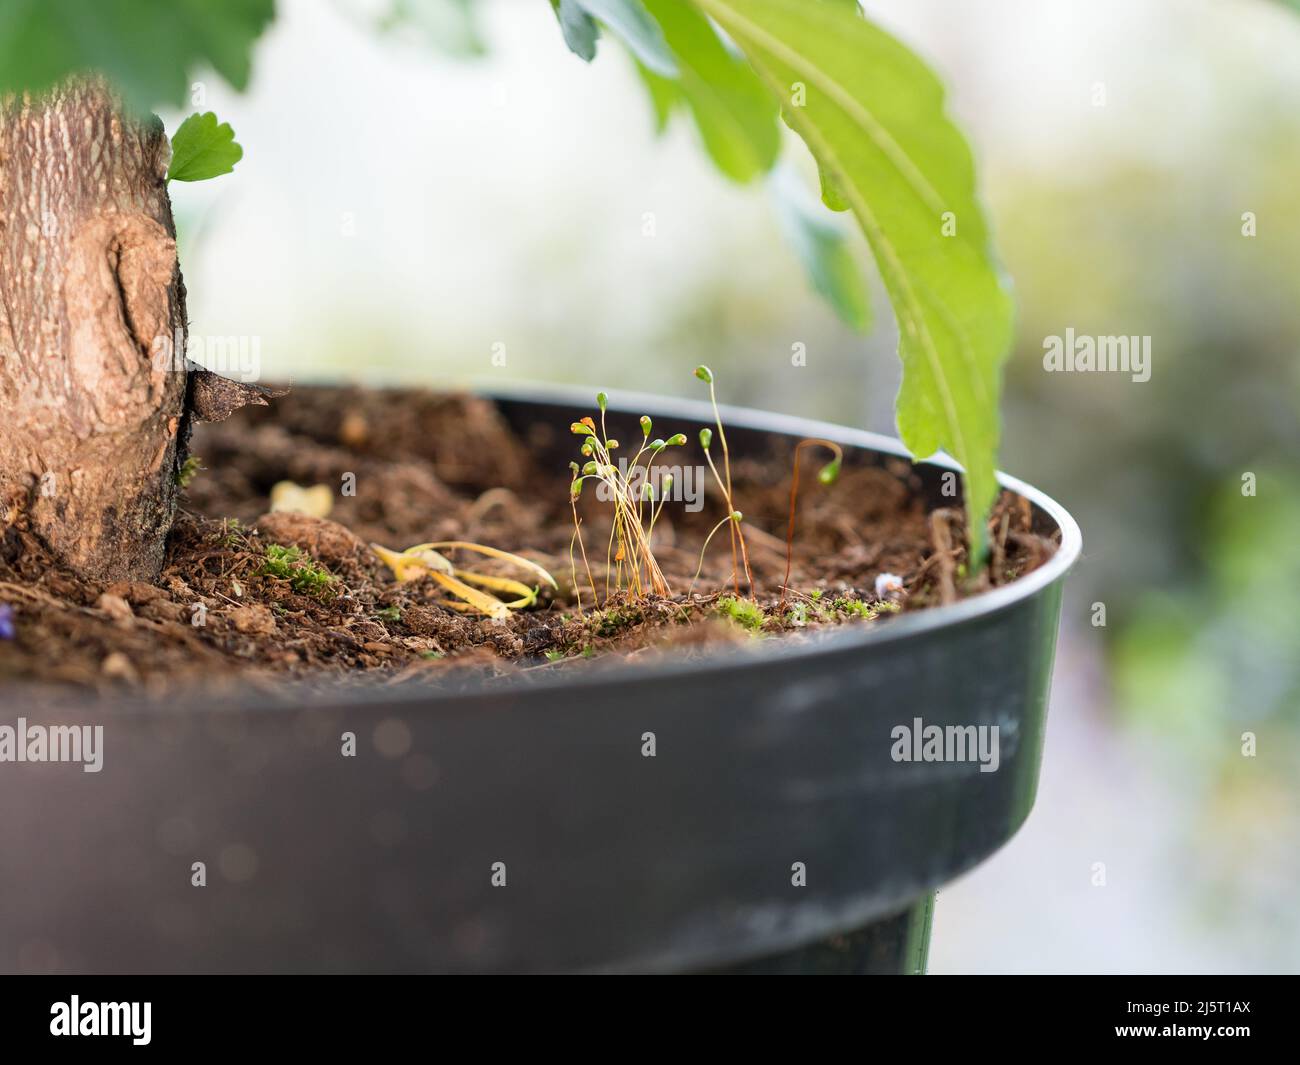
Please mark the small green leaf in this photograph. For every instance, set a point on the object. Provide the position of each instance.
(579, 29)
(873, 116)
(203, 148)
(634, 26)
(823, 250)
(734, 112)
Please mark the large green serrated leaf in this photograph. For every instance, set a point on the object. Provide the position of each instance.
(873, 115)
(203, 148)
(147, 48)
(733, 110)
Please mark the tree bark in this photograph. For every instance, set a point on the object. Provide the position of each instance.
(93, 384)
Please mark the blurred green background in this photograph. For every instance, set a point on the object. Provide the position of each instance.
(411, 199)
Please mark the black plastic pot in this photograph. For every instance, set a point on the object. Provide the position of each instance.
(612, 860)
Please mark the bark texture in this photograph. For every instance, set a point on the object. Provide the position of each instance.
(93, 383)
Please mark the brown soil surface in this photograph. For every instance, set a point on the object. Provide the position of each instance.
(432, 467)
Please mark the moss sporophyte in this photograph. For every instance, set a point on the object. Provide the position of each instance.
(734, 517)
(630, 565)
(827, 475)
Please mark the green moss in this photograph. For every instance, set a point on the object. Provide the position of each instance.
(854, 608)
(614, 620)
(304, 574)
(188, 471)
(746, 614)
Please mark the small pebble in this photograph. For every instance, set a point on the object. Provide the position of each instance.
(888, 584)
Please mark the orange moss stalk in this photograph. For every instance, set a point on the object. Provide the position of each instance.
(734, 516)
(828, 475)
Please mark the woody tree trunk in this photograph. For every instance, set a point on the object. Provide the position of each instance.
(88, 283)
(95, 398)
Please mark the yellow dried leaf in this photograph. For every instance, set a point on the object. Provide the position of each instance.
(487, 604)
(526, 596)
(422, 560)
(411, 564)
(289, 498)
(493, 552)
